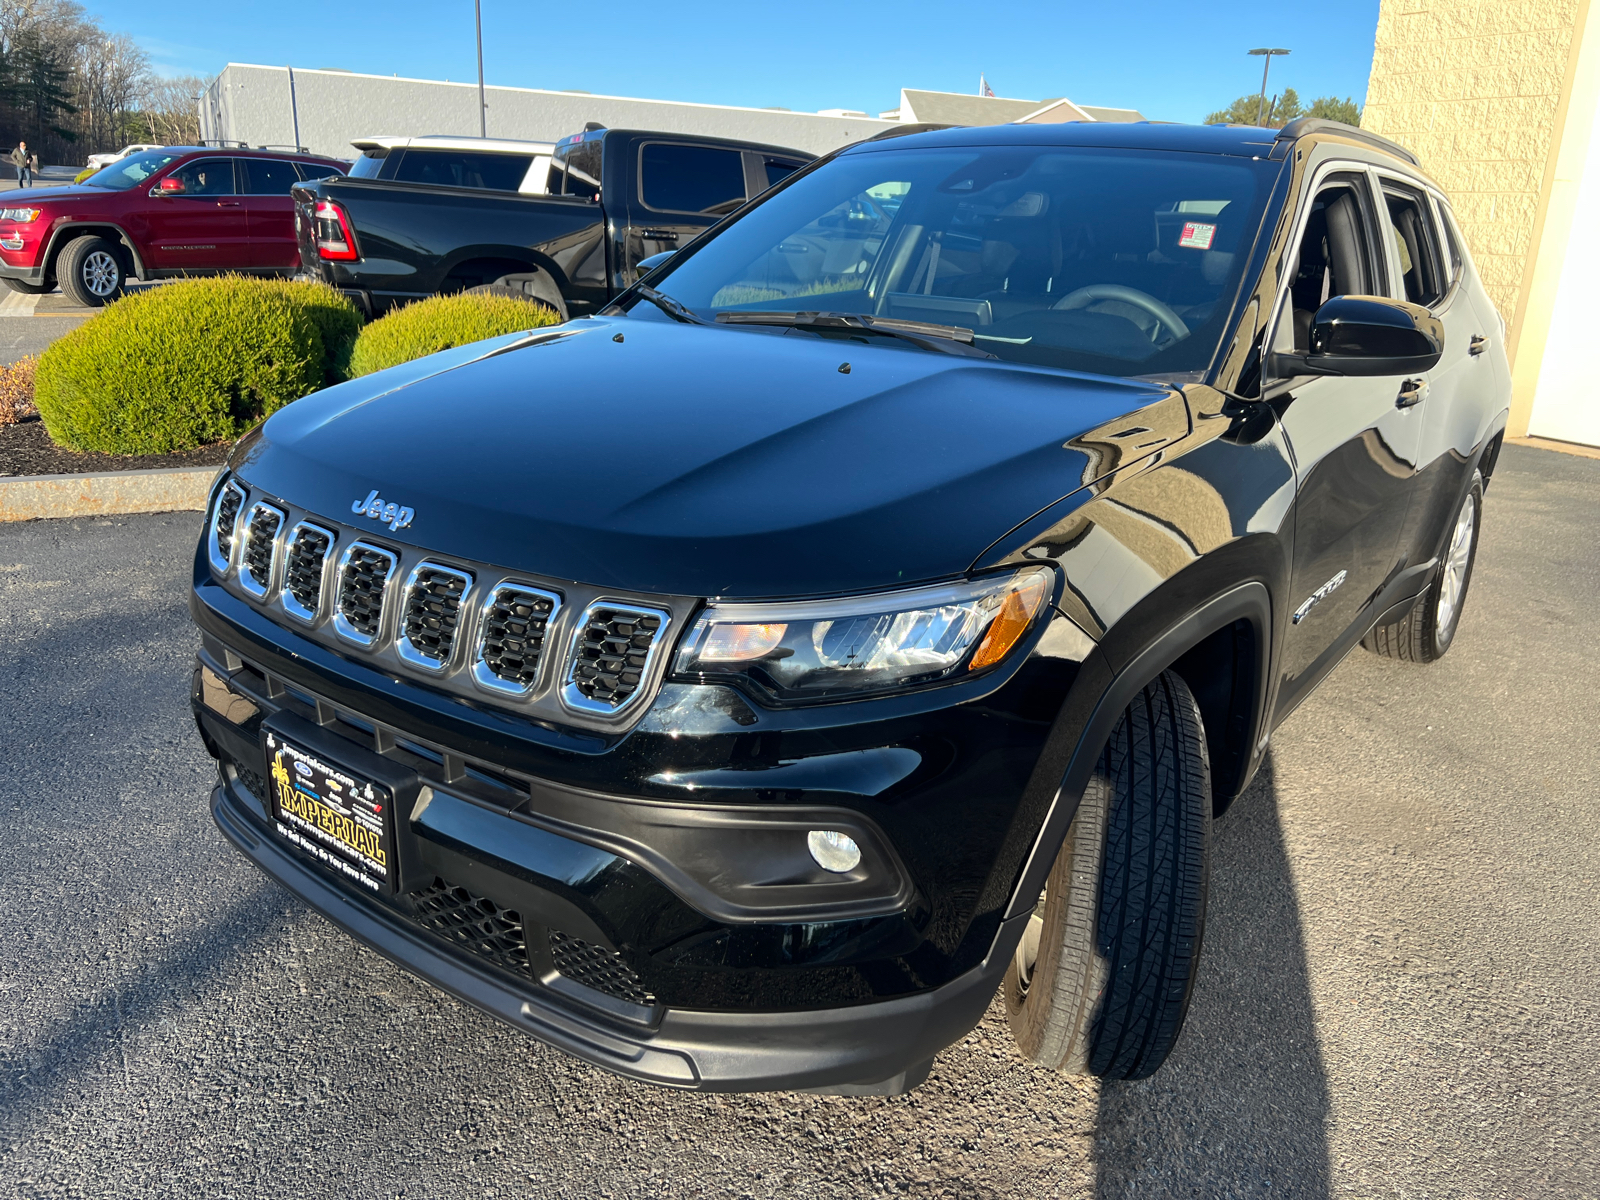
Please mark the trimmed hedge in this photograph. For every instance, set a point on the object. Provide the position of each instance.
(192, 363)
(442, 323)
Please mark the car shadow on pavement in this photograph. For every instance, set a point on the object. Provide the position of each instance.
(1241, 1107)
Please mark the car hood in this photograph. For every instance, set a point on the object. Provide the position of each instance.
(686, 460)
(14, 197)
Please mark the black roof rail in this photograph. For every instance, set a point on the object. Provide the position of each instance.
(906, 130)
(1302, 126)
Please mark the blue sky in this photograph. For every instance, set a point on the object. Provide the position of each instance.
(1173, 61)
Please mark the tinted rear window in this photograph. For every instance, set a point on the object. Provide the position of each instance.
(369, 164)
(269, 176)
(319, 170)
(693, 179)
(779, 170)
(464, 169)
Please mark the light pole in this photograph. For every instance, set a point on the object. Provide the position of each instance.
(1265, 67)
(483, 108)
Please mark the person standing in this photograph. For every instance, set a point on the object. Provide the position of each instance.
(24, 165)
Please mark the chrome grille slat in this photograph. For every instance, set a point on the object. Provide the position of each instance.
(258, 561)
(611, 656)
(305, 567)
(430, 619)
(224, 527)
(364, 574)
(515, 627)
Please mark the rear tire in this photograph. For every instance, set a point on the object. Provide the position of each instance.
(29, 288)
(1428, 629)
(1101, 982)
(91, 272)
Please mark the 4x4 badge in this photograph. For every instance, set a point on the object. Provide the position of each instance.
(396, 516)
(1316, 597)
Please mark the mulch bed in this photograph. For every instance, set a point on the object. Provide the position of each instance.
(26, 449)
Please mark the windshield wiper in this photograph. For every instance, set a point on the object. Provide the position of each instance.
(671, 307)
(947, 339)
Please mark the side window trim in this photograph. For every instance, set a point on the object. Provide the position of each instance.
(1302, 218)
(1403, 187)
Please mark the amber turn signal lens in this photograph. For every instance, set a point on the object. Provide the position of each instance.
(741, 643)
(1017, 611)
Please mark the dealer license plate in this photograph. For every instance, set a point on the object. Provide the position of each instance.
(336, 817)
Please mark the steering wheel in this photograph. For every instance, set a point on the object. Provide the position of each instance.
(1164, 316)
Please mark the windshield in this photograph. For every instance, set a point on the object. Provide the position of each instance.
(1112, 261)
(133, 170)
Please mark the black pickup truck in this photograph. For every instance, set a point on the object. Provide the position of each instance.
(385, 236)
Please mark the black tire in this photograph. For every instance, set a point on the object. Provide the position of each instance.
(1428, 628)
(29, 288)
(91, 271)
(1115, 942)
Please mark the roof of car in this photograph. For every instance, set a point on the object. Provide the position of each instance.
(1241, 140)
(440, 141)
(273, 151)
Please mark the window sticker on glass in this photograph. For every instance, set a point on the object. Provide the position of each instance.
(1197, 236)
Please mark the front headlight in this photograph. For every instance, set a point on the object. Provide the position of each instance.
(19, 214)
(841, 649)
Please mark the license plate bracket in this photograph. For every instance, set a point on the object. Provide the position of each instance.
(333, 813)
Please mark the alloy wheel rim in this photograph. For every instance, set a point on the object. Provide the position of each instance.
(1456, 561)
(100, 273)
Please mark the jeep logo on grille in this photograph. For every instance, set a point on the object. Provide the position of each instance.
(395, 516)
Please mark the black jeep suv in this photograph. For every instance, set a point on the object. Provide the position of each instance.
(870, 609)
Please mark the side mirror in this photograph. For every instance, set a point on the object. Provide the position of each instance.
(647, 265)
(169, 187)
(1366, 335)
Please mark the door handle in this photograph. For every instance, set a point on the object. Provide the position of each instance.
(227, 204)
(1478, 344)
(1412, 392)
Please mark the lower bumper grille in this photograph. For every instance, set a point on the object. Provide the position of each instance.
(474, 922)
(598, 968)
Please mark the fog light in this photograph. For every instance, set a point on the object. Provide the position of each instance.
(834, 851)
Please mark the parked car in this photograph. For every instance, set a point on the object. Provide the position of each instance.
(175, 210)
(565, 225)
(867, 613)
(97, 161)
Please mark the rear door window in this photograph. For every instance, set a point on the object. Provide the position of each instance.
(779, 169)
(464, 169)
(1410, 227)
(320, 170)
(691, 179)
(268, 176)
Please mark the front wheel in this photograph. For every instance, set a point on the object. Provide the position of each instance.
(91, 271)
(1100, 984)
(1428, 628)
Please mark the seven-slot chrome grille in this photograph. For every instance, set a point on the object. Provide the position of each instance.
(464, 626)
(432, 615)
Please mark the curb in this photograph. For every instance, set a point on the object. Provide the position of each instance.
(31, 497)
(1539, 443)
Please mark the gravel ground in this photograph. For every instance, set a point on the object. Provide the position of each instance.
(1398, 997)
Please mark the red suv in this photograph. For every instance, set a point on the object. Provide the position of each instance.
(179, 210)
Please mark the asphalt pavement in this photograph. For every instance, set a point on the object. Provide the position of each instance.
(1398, 997)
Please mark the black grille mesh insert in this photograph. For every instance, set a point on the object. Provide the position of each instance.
(433, 612)
(513, 635)
(302, 574)
(474, 922)
(259, 544)
(598, 968)
(227, 514)
(361, 585)
(611, 654)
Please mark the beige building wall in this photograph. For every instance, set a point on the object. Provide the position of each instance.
(1482, 91)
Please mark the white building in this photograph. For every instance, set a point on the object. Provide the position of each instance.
(324, 110)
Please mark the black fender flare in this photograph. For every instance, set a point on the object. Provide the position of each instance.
(1250, 601)
(65, 232)
(535, 260)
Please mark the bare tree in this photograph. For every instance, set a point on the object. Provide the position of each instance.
(171, 111)
(113, 74)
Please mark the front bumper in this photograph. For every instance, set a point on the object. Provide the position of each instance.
(881, 1048)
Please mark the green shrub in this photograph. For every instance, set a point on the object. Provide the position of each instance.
(440, 323)
(192, 363)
